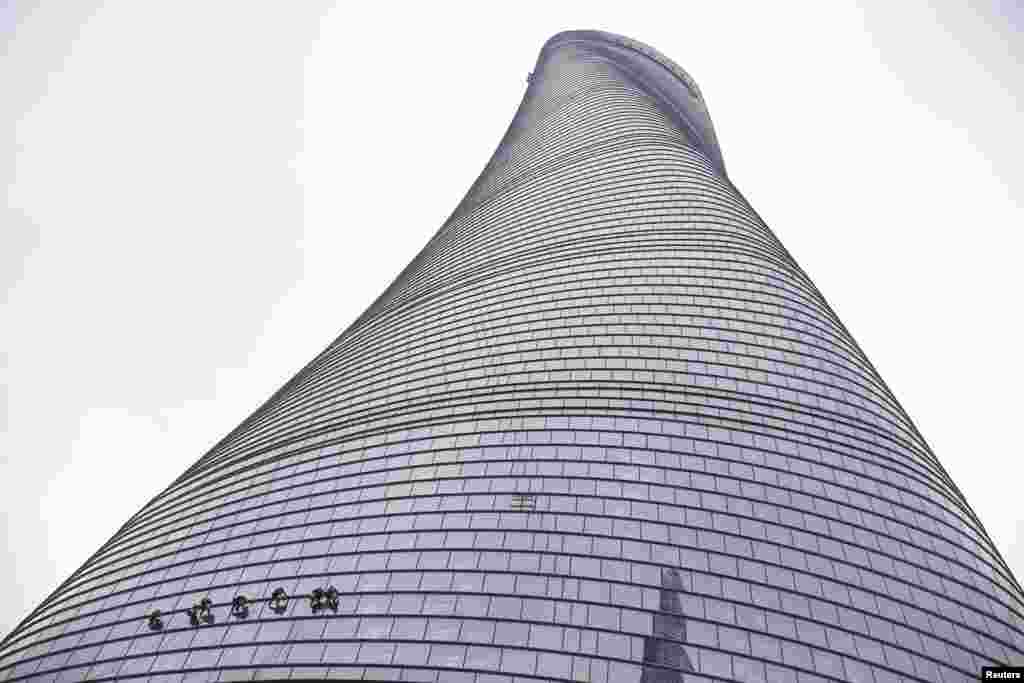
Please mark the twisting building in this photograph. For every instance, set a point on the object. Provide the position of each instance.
(603, 428)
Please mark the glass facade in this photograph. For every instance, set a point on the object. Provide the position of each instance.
(602, 429)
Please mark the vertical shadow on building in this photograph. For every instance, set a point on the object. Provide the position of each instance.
(665, 660)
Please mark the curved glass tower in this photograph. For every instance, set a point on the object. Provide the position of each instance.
(602, 429)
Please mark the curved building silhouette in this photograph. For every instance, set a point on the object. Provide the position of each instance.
(602, 429)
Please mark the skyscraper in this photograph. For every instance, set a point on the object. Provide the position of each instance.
(603, 428)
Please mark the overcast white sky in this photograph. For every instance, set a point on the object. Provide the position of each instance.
(199, 196)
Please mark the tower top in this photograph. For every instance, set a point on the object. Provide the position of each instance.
(666, 82)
